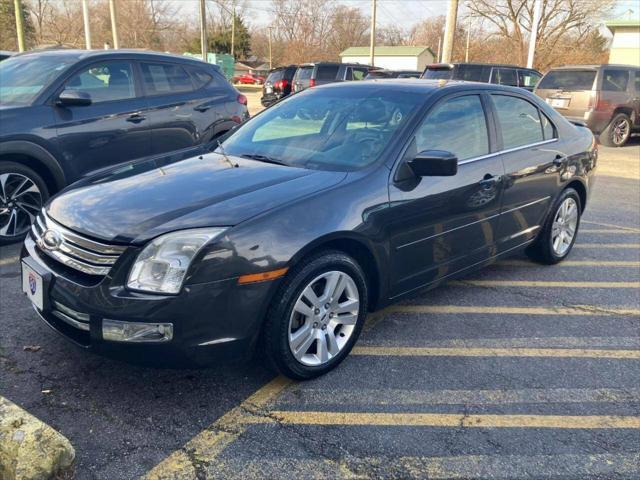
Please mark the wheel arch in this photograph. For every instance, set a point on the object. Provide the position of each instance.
(357, 247)
(626, 110)
(579, 187)
(36, 157)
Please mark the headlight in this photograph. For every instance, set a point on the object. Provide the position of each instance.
(163, 263)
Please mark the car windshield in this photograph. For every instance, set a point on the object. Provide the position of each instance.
(568, 80)
(22, 78)
(438, 73)
(325, 129)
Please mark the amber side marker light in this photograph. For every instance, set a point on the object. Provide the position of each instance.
(262, 277)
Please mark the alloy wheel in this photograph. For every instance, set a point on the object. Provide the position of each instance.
(621, 130)
(323, 318)
(20, 202)
(564, 226)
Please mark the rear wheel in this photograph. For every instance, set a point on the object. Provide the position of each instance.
(316, 316)
(560, 230)
(617, 132)
(22, 195)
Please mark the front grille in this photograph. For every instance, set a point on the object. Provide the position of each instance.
(70, 316)
(73, 250)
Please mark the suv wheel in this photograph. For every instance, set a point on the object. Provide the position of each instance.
(559, 231)
(317, 315)
(617, 132)
(22, 195)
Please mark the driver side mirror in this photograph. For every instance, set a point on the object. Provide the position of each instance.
(434, 163)
(71, 98)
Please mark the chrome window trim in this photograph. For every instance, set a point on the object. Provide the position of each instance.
(508, 150)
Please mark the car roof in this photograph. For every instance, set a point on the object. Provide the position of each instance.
(503, 65)
(422, 86)
(131, 53)
(594, 66)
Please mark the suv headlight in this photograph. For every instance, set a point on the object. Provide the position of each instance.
(163, 263)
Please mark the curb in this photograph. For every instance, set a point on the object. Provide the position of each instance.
(29, 448)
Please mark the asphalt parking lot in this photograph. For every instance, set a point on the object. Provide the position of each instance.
(518, 371)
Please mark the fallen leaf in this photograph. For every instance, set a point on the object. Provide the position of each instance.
(31, 348)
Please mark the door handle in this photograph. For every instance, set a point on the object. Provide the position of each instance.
(559, 159)
(202, 108)
(488, 181)
(136, 118)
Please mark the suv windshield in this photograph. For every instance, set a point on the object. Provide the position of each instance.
(22, 78)
(438, 73)
(568, 80)
(340, 130)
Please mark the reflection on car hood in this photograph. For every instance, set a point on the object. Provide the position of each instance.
(129, 206)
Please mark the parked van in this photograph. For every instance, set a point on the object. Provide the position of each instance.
(605, 97)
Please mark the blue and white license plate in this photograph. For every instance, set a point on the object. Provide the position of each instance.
(33, 286)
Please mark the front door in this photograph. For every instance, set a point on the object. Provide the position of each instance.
(533, 164)
(113, 129)
(441, 225)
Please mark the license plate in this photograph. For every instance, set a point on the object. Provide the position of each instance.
(268, 90)
(33, 286)
(558, 102)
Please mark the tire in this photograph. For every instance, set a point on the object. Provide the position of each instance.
(15, 221)
(617, 132)
(319, 326)
(544, 249)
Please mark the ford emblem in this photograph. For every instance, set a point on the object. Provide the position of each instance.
(51, 240)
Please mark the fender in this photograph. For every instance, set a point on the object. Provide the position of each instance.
(22, 147)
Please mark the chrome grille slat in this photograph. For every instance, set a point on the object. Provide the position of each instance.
(75, 251)
(73, 318)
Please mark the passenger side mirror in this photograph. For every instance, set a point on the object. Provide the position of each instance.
(70, 98)
(434, 163)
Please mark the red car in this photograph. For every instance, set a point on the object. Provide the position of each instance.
(249, 78)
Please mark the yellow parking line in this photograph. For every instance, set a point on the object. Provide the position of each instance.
(572, 263)
(609, 231)
(495, 352)
(8, 261)
(607, 245)
(578, 310)
(446, 420)
(210, 442)
(542, 284)
(619, 227)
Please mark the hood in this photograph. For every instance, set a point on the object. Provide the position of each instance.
(142, 201)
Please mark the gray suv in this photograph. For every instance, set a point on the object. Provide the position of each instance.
(313, 74)
(604, 97)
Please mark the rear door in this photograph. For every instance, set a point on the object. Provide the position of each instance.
(636, 95)
(114, 128)
(177, 114)
(533, 163)
(440, 225)
(570, 91)
(616, 88)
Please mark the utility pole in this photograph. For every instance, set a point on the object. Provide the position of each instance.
(203, 30)
(372, 51)
(233, 31)
(466, 51)
(537, 12)
(270, 56)
(114, 24)
(450, 31)
(87, 27)
(439, 46)
(17, 6)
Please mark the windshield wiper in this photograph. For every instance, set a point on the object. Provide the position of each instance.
(263, 158)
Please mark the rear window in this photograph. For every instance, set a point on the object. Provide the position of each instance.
(275, 76)
(568, 80)
(327, 72)
(200, 77)
(438, 73)
(304, 73)
(505, 76)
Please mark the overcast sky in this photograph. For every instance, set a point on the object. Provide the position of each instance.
(389, 12)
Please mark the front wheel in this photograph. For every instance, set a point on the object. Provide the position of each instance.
(316, 316)
(560, 230)
(22, 195)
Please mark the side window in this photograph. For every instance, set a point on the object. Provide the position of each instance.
(105, 81)
(528, 79)
(548, 129)
(162, 78)
(519, 121)
(458, 126)
(615, 80)
(637, 81)
(200, 77)
(327, 72)
(505, 76)
(359, 73)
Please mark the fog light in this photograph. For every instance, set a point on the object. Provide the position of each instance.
(136, 332)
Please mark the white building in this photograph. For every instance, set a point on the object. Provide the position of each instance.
(625, 47)
(391, 58)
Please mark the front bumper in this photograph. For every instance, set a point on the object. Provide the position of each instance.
(214, 322)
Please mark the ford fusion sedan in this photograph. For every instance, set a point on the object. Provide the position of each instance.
(67, 113)
(332, 203)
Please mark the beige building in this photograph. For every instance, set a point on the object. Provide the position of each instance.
(391, 58)
(625, 47)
